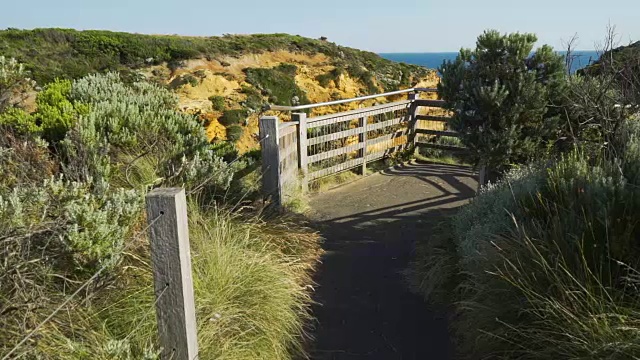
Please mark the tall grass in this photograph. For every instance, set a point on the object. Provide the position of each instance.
(252, 283)
(543, 265)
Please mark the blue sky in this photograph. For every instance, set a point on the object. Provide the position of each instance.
(375, 25)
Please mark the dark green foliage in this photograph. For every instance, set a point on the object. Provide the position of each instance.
(331, 76)
(233, 117)
(277, 84)
(225, 150)
(622, 64)
(254, 98)
(234, 132)
(217, 102)
(70, 54)
(500, 96)
(364, 76)
(288, 69)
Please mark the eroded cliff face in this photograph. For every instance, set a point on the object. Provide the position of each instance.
(196, 81)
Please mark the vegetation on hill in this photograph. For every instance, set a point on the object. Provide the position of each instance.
(68, 54)
(543, 264)
(212, 75)
(75, 173)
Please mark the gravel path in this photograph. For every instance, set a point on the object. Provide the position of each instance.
(365, 310)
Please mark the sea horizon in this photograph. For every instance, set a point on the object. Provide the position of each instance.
(433, 60)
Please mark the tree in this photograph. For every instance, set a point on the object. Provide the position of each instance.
(500, 96)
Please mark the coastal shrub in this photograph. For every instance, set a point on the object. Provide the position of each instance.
(56, 113)
(621, 65)
(19, 121)
(24, 159)
(332, 76)
(277, 83)
(13, 81)
(217, 102)
(594, 114)
(233, 117)
(364, 76)
(71, 209)
(71, 54)
(500, 95)
(254, 99)
(128, 120)
(234, 132)
(543, 264)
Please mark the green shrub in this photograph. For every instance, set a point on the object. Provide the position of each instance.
(504, 110)
(254, 99)
(331, 76)
(218, 102)
(287, 69)
(542, 261)
(364, 76)
(13, 81)
(56, 113)
(276, 83)
(233, 117)
(19, 121)
(128, 120)
(234, 132)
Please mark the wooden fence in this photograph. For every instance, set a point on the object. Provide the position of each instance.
(304, 149)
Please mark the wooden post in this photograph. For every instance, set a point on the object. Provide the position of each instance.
(271, 159)
(362, 138)
(171, 258)
(303, 161)
(413, 121)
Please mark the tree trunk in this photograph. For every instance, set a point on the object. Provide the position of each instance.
(487, 175)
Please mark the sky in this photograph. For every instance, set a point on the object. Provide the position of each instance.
(374, 25)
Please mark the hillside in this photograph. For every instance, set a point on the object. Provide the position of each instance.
(225, 80)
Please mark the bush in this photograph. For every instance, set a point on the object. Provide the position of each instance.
(331, 76)
(500, 96)
(24, 160)
(277, 83)
(126, 121)
(56, 113)
(254, 99)
(217, 102)
(13, 82)
(544, 261)
(233, 117)
(19, 121)
(234, 133)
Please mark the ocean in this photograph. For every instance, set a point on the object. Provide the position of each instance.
(434, 60)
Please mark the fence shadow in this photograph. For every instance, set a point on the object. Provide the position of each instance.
(364, 308)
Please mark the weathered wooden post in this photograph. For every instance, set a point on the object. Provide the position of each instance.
(413, 121)
(171, 258)
(303, 161)
(362, 138)
(271, 184)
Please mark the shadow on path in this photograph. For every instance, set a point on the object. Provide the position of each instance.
(364, 309)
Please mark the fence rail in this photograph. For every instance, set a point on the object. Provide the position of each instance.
(306, 149)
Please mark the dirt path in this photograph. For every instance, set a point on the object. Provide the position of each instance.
(366, 311)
